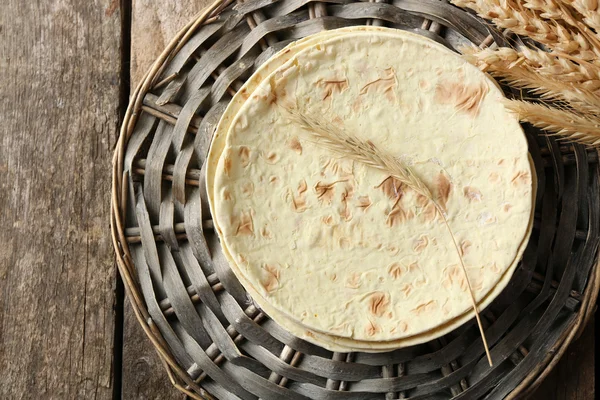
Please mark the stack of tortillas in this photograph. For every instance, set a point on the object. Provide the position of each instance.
(339, 253)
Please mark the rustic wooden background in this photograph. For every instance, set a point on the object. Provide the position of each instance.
(66, 68)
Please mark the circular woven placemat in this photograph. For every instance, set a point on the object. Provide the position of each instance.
(213, 340)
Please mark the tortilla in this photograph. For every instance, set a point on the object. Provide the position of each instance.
(377, 306)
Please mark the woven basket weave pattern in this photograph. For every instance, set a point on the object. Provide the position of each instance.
(214, 341)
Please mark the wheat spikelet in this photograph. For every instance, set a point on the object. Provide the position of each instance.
(556, 66)
(575, 40)
(590, 10)
(570, 125)
(345, 144)
(547, 9)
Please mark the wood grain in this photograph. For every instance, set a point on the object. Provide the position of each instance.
(59, 101)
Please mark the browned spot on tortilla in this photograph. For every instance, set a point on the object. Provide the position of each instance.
(444, 187)
(414, 267)
(357, 105)
(398, 215)
(384, 84)
(378, 302)
(333, 277)
(371, 329)
(425, 307)
(244, 93)
(265, 232)
(271, 281)
(420, 282)
(337, 120)
(353, 282)
(227, 164)
(344, 243)
(345, 211)
(406, 289)
(477, 282)
(393, 250)
(244, 154)
(506, 207)
(495, 268)
(494, 177)
(487, 218)
(271, 157)
(242, 259)
(395, 270)
(328, 220)
(332, 86)
(273, 179)
(428, 209)
(423, 84)
(226, 195)
(302, 187)
(364, 202)
(325, 191)
(465, 245)
(501, 161)
(465, 98)
(472, 194)
(248, 189)
(403, 326)
(521, 178)
(295, 145)
(453, 275)
(446, 308)
(299, 200)
(245, 225)
(391, 187)
(420, 244)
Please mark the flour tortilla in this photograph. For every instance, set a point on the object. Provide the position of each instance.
(407, 336)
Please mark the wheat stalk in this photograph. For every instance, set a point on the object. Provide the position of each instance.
(570, 125)
(576, 40)
(347, 145)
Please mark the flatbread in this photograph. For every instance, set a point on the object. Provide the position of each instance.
(377, 323)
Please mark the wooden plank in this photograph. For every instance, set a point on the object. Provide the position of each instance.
(573, 378)
(153, 24)
(59, 98)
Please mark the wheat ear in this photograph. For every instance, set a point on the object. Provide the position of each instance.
(559, 67)
(512, 15)
(504, 65)
(347, 145)
(576, 127)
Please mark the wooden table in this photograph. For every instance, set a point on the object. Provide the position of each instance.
(66, 332)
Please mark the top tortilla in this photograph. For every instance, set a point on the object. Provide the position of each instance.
(296, 237)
